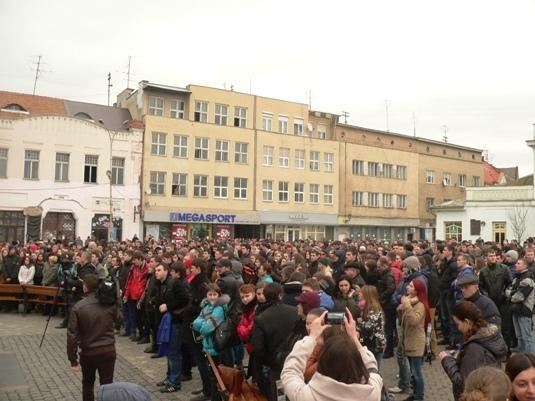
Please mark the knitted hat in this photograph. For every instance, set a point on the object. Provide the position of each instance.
(412, 263)
(512, 254)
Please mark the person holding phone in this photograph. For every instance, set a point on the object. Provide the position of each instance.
(346, 370)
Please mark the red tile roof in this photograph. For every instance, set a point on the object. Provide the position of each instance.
(35, 105)
(493, 175)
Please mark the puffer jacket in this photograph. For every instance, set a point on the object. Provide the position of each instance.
(486, 347)
(209, 319)
(246, 324)
(521, 294)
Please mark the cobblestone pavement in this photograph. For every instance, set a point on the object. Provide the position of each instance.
(48, 375)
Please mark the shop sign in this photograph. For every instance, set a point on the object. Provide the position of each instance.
(180, 231)
(222, 231)
(201, 218)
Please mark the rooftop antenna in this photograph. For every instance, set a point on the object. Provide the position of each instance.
(128, 71)
(309, 95)
(387, 103)
(445, 137)
(38, 72)
(414, 123)
(345, 114)
(109, 86)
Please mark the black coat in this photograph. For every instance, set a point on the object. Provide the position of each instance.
(175, 294)
(485, 348)
(290, 291)
(230, 285)
(386, 285)
(446, 274)
(489, 310)
(493, 280)
(272, 328)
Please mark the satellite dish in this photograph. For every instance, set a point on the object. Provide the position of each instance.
(148, 191)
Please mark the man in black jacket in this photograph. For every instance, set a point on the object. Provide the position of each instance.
(470, 289)
(171, 296)
(91, 328)
(386, 285)
(447, 272)
(271, 330)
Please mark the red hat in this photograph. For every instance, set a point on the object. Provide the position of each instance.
(309, 301)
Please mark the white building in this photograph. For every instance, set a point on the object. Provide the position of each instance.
(492, 213)
(54, 172)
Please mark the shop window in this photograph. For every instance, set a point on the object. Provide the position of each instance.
(453, 230)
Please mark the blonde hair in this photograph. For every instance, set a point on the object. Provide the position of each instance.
(486, 384)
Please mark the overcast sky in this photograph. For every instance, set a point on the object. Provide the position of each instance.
(467, 65)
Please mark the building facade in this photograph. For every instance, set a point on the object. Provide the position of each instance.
(56, 170)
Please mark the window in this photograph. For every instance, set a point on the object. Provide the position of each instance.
(157, 182)
(429, 203)
(453, 230)
(358, 167)
(201, 112)
(159, 142)
(117, 171)
(475, 181)
(221, 150)
(357, 198)
(498, 231)
(179, 185)
(283, 125)
(328, 162)
(328, 194)
(402, 201)
(299, 159)
(31, 164)
(90, 169)
(429, 177)
(200, 186)
(240, 117)
(401, 172)
(155, 106)
(373, 169)
(267, 120)
(314, 193)
(322, 132)
(177, 108)
(268, 155)
(221, 114)
(299, 192)
(62, 167)
(373, 199)
(201, 148)
(3, 162)
(284, 157)
(240, 154)
(387, 170)
(298, 126)
(462, 180)
(220, 187)
(180, 146)
(283, 191)
(240, 188)
(314, 160)
(387, 201)
(267, 190)
(446, 181)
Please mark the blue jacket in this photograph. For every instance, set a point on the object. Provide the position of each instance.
(465, 271)
(209, 319)
(164, 334)
(326, 301)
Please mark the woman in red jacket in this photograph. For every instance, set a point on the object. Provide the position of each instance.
(245, 325)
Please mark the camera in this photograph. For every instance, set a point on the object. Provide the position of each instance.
(334, 318)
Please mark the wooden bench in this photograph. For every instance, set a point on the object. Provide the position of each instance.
(31, 294)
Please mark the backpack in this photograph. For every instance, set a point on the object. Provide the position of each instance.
(107, 292)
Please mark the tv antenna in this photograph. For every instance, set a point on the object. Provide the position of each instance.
(128, 71)
(109, 86)
(345, 114)
(445, 137)
(38, 72)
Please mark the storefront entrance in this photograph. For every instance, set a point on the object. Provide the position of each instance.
(100, 224)
(61, 226)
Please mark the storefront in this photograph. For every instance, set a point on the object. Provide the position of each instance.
(11, 225)
(200, 224)
(361, 228)
(282, 226)
(61, 226)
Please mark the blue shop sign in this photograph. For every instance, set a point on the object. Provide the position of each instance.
(201, 218)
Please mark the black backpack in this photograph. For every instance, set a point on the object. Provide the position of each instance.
(108, 292)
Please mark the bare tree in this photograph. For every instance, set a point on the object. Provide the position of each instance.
(518, 219)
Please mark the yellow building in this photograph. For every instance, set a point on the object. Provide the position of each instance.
(391, 181)
(218, 162)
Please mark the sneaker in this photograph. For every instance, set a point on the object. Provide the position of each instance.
(196, 392)
(201, 397)
(397, 390)
(164, 382)
(186, 378)
(170, 388)
(150, 350)
(154, 356)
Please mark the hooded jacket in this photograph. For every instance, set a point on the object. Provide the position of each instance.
(209, 319)
(122, 392)
(322, 387)
(486, 347)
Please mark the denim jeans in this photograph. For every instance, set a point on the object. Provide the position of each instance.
(174, 357)
(447, 303)
(416, 370)
(524, 333)
(404, 381)
(131, 309)
(378, 357)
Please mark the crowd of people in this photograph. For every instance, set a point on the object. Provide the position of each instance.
(310, 319)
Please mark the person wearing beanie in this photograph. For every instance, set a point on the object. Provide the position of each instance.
(122, 392)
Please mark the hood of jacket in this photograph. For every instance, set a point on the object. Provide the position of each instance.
(122, 392)
(221, 301)
(327, 389)
(490, 338)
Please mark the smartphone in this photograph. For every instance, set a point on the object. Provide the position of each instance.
(335, 318)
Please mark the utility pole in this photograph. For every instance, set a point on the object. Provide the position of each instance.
(345, 114)
(109, 86)
(37, 71)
